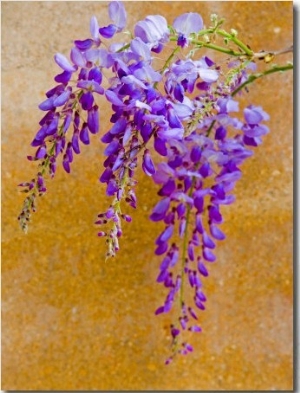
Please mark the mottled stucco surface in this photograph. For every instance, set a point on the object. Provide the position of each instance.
(70, 321)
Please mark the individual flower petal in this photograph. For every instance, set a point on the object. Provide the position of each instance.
(119, 127)
(192, 312)
(207, 241)
(84, 134)
(198, 203)
(221, 133)
(153, 30)
(256, 130)
(62, 98)
(196, 153)
(75, 142)
(170, 133)
(87, 100)
(47, 104)
(66, 164)
(227, 105)
(94, 29)
(160, 146)
(216, 232)
(161, 248)
(113, 98)
(99, 57)
(147, 165)
(165, 235)
(108, 31)
(91, 85)
(195, 329)
(93, 119)
(140, 48)
(174, 331)
(106, 175)
(160, 209)
(214, 214)
(64, 77)
(162, 275)
(95, 74)
(117, 14)
(188, 23)
(112, 148)
(208, 255)
(200, 295)
(41, 152)
(77, 57)
(208, 76)
(52, 127)
(112, 187)
(84, 44)
(63, 62)
(160, 310)
(255, 114)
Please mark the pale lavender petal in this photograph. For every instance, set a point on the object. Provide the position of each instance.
(171, 133)
(117, 14)
(257, 130)
(140, 48)
(91, 85)
(99, 56)
(113, 98)
(64, 63)
(188, 23)
(208, 75)
(77, 57)
(94, 28)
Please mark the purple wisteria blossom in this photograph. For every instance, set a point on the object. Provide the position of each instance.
(175, 119)
(185, 25)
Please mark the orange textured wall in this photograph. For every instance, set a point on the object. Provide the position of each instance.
(70, 321)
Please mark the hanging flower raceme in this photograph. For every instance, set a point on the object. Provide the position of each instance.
(177, 121)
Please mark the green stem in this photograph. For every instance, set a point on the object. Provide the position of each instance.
(123, 48)
(239, 43)
(254, 77)
(217, 48)
(168, 61)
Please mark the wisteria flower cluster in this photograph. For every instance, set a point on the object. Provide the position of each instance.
(168, 100)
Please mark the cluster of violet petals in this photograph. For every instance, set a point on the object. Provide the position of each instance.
(196, 180)
(188, 123)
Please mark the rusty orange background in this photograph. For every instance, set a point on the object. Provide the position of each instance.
(70, 321)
